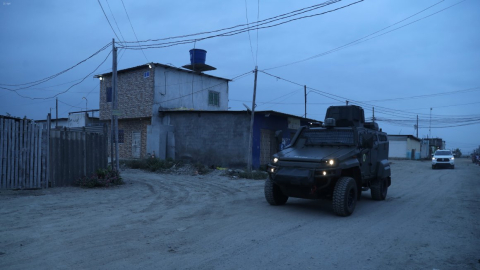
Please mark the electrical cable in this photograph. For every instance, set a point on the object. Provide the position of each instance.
(133, 30)
(364, 39)
(33, 83)
(231, 33)
(108, 20)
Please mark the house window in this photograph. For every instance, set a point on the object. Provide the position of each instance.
(109, 94)
(146, 74)
(120, 136)
(213, 98)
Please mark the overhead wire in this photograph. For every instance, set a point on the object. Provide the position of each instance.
(234, 32)
(366, 38)
(133, 29)
(295, 12)
(37, 82)
(249, 38)
(440, 119)
(115, 20)
(106, 17)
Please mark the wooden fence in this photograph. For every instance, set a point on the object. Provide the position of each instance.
(23, 154)
(74, 154)
(32, 157)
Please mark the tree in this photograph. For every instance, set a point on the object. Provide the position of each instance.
(457, 152)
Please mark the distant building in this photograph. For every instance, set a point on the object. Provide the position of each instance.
(404, 147)
(75, 120)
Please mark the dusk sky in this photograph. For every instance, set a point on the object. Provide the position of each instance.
(402, 57)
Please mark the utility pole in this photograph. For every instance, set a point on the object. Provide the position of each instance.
(346, 102)
(250, 139)
(305, 91)
(56, 114)
(417, 125)
(115, 103)
(373, 115)
(430, 127)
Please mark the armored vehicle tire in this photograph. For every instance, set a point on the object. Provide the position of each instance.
(274, 194)
(379, 190)
(344, 196)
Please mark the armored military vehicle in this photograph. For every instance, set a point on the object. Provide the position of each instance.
(335, 161)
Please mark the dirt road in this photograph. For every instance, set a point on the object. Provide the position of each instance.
(430, 220)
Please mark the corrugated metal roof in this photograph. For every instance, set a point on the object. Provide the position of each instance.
(161, 65)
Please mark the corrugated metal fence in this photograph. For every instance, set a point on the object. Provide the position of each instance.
(32, 157)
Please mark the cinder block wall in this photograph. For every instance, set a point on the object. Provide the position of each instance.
(212, 138)
(135, 94)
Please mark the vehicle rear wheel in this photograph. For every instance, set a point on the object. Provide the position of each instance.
(345, 196)
(379, 190)
(273, 193)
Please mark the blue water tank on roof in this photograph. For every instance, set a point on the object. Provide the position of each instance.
(197, 56)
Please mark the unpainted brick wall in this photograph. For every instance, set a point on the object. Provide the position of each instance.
(135, 94)
(129, 126)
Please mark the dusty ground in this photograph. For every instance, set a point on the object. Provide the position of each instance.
(429, 221)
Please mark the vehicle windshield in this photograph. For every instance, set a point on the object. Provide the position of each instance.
(443, 153)
(317, 137)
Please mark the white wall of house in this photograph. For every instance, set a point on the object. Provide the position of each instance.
(174, 88)
(397, 149)
(403, 147)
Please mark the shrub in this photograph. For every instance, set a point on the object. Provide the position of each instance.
(151, 164)
(101, 178)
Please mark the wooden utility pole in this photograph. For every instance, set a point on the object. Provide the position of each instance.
(56, 114)
(305, 92)
(250, 139)
(417, 125)
(373, 115)
(115, 103)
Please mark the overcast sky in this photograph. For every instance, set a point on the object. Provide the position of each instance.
(431, 63)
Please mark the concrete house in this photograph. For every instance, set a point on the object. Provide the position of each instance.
(404, 147)
(146, 90)
(221, 138)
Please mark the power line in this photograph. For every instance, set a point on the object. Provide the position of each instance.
(33, 83)
(458, 120)
(108, 20)
(115, 20)
(234, 32)
(365, 38)
(63, 92)
(258, 18)
(249, 38)
(133, 29)
(295, 12)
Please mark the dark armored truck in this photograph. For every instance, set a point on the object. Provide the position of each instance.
(334, 161)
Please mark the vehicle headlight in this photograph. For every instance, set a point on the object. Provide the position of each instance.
(433, 158)
(452, 158)
(331, 162)
(275, 160)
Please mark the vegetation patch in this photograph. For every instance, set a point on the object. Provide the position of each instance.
(151, 164)
(101, 178)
